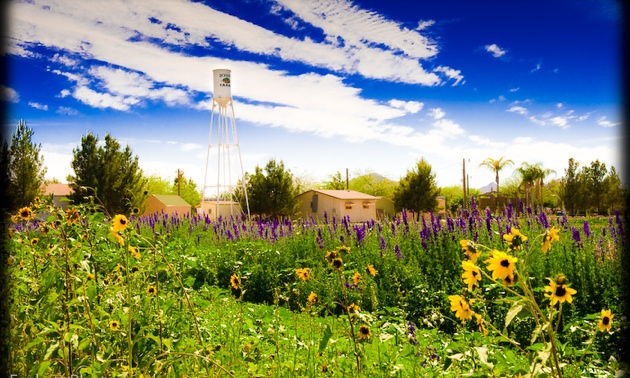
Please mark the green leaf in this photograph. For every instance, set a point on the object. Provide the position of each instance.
(42, 368)
(324, 341)
(516, 308)
(51, 349)
(38, 340)
(483, 356)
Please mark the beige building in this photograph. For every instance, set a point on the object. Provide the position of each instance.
(222, 208)
(60, 193)
(167, 203)
(358, 206)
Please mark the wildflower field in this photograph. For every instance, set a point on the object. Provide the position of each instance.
(485, 295)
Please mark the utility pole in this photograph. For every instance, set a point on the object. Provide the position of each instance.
(464, 181)
(179, 180)
(347, 180)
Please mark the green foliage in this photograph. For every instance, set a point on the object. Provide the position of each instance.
(108, 173)
(592, 189)
(335, 182)
(25, 168)
(418, 190)
(71, 276)
(271, 191)
(187, 189)
(373, 184)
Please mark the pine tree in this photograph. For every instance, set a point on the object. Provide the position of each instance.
(25, 167)
(418, 190)
(110, 174)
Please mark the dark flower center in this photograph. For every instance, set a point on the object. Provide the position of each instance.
(606, 320)
(474, 273)
(505, 263)
(560, 291)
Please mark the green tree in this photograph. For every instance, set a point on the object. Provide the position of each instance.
(418, 190)
(496, 166)
(335, 182)
(187, 189)
(25, 167)
(108, 172)
(271, 191)
(570, 192)
(529, 175)
(155, 184)
(595, 175)
(373, 184)
(615, 195)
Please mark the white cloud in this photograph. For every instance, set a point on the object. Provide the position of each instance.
(514, 89)
(437, 113)
(8, 94)
(37, 105)
(536, 68)
(603, 122)
(409, 106)
(495, 50)
(425, 24)
(559, 105)
(64, 110)
(537, 121)
(450, 73)
(561, 122)
(102, 100)
(518, 109)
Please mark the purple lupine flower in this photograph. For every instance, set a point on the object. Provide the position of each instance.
(521, 206)
(450, 224)
(398, 254)
(542, 217)
(382, 245)
(393, 229)
(473, 206)
(587, 230)
(412, 333)
(619, 223)
(320, 238)
(360, 234)
(613, 231)
(575, 233)
(509, 210)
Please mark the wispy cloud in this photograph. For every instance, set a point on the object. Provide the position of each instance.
(603, 122)
(518, 109)
(37, 105)
(495, 50)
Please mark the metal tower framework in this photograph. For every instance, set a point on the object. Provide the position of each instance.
(224, 150)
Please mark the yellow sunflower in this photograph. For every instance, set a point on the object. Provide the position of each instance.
(119, 222)
(312, 298)
(515, 239)
(471, 274)
(117, 236)
(152, 290)
(461, 307)
(303, 274)
(337, 263)
(235, 281)
(558, 291)
(481, 324)
(605, 323)
(550, 236)
(371, 271)
(330, 256)
(364, 333)
(470, 250)
(353, 309)
(134, 252)
(26, 213)
(343, 249)
(356, 278)
(501, 264)
(114, 325)
(34, 241)
(72, 216)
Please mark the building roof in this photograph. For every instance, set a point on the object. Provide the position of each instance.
(57, 189)
(345, 194)
(171, 200)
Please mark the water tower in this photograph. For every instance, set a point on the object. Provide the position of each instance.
(224, 166)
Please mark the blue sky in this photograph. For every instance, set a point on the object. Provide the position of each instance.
(324, 86)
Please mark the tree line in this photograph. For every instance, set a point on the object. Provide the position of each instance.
(109, 175)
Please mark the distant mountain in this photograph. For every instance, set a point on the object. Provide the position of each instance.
(491, 187)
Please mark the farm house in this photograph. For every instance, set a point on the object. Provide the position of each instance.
(223, 208)
(358, 206)
(167, 203)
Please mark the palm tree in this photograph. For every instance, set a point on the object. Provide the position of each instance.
(496, 166)
(529, 175)
(541, 175)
